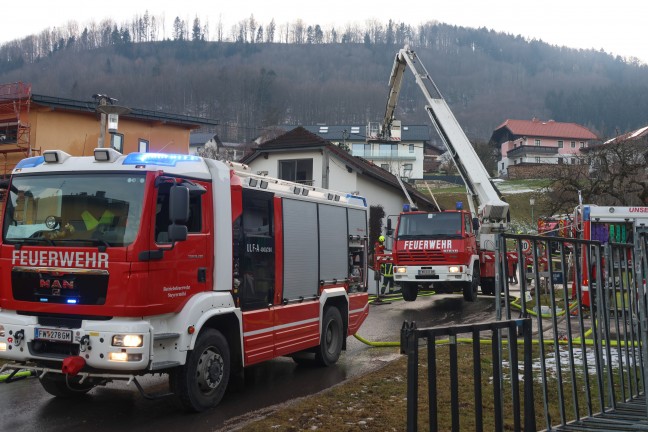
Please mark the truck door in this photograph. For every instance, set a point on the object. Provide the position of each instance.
(183, 270)
(254, 258)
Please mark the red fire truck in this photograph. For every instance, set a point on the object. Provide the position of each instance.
(613, 224)
(115, 266)
(452, 250)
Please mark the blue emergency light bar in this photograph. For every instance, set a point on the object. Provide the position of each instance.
(356, 197)
(406, 207)
(162, 159)
(459, 205)
(586, 213)
(30, 162)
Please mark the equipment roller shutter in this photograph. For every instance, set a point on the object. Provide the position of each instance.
(300, 249)
(333, 243)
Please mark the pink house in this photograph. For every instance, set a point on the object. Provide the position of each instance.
(539, 142)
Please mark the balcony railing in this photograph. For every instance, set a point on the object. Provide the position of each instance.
(531, 150)
(383, 155)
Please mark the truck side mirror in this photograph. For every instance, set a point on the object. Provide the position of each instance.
(178, 213)
(475, 222)
(390, 231)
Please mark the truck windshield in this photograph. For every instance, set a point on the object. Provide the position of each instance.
(74, 209)
(429, 225)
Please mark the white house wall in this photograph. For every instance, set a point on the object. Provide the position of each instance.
(340, 179)
(271, 165)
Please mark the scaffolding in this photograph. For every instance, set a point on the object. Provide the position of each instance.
(15, 100)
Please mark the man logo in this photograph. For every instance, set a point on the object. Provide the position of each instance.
(56, 284)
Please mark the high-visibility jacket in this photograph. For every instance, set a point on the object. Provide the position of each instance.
(387, 269)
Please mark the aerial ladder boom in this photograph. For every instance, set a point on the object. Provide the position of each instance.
(492, 211)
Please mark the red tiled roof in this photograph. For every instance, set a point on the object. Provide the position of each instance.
(550, 128)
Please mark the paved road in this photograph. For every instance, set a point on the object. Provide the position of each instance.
(27, 407)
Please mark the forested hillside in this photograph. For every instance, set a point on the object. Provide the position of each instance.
(305, 75)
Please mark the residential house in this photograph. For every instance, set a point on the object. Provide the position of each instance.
(535, 142)
(305, 157)
(31, 124)
(402, 154)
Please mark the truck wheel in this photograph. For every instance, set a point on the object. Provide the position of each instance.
(201, 382)
(470, 288)
(410, 291)
(56, 385)
(488, 286)
(331, 339)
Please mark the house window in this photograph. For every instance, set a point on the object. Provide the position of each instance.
(537, 160)
(297, 170)
(573, 144)
(560, 161)
(117, 142)
(560, 143)
(537, 142)
(573, 161)
(388, 150)
(358, 150)
(142, 146)
(9, 133)
(385, 167)
(411, 148)
(582, 144)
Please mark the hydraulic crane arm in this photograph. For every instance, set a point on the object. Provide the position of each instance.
(493, 212)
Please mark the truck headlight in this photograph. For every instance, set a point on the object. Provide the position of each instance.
(129, 340)
(454, 269)
(124, 357)
(400, 269)
(3, 346)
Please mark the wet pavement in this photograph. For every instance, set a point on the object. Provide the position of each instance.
(27, 407)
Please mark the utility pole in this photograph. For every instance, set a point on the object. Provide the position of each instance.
(109, 114)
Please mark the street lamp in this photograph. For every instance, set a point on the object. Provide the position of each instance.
(532, 202)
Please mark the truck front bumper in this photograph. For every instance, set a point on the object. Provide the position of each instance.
(431, 274)
(112, 345)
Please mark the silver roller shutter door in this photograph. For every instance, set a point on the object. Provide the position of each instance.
(334, 260)
(300, 249)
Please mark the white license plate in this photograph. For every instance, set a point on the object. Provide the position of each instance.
(56, 335)
(426, 272)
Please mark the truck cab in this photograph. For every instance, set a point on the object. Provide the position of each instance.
(436, 249)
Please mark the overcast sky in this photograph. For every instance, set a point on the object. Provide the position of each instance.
(618, 27)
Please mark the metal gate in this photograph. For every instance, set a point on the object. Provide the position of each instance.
(586, 303)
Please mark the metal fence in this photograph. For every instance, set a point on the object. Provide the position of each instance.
(500, 332)
(582, 305)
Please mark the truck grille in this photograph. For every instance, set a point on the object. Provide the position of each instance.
(59, 286)
(53, 349)
(420, 257)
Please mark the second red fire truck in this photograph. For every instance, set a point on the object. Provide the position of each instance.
(451, 250)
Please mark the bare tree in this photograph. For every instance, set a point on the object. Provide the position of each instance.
(610, 174)
(270, 34)
(252, 26)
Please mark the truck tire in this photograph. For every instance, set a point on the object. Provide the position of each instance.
(410, 291)
(488, 286)
(56, 385)
(331, 339)
(201, 382)
(470, 288)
